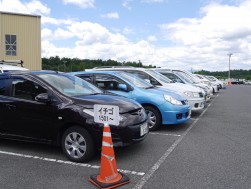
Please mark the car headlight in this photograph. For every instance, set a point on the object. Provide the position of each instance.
(122, 118)
(188, 93)
(191, 94)
(196, 95)
(172, 100)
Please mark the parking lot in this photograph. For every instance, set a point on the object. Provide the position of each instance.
(211, 150)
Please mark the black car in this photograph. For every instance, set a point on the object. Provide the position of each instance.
(56, 108)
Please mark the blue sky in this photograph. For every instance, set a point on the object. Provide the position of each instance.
(186, 34)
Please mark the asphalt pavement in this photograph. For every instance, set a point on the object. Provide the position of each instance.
(216, 152)
(212, 150)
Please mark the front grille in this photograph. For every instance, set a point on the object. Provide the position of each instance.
(139, 112)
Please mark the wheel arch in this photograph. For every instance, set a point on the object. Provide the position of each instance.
(66, 126)
(155, 107)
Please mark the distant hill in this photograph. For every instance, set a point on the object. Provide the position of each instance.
(237, 74)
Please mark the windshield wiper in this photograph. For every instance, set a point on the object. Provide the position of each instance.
(150, 87)
(95, 93)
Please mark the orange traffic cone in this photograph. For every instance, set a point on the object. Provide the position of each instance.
(109, 177)
(229, 83)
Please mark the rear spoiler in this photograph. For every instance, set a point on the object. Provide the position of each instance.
(11, 62)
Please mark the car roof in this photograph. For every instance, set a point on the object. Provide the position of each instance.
(117, 68)
(29, 72)
(163, 70)
(95, 72)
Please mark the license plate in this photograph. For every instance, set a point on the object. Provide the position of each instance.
(143, 129)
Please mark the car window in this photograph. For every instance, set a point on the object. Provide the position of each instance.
(70, 85)
(3, 86)
(86, 77)
(187, 77)
(107, 82)
(141, 75)
(159, 76)
(172, 77)
(25, 89)
(145, 77)
(135, 80)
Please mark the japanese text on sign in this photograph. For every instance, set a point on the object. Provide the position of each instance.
(106, 114)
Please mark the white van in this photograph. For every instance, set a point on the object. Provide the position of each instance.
(11, 65)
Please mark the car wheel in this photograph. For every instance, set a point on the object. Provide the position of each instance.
(154, 118)
(77, 144)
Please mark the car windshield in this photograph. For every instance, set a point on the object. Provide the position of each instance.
(159, 76)
(135, 80)
(211, 78)
(186, 75)
(70, 85)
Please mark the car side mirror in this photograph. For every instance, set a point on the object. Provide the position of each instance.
(122, 87)
(43, 97)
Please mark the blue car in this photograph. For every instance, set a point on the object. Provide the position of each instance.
(162, 106)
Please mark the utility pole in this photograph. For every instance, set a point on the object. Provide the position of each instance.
(229, 57)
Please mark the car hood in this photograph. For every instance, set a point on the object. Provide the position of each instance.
(164, 91)
(125, 104)
(180, 87)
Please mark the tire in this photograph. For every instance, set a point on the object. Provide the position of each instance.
(77, 144)
(154, 118)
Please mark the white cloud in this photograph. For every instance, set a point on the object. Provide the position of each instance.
(152, 1)
(58, 34)
(46, 34)
(81, 3)
(198, 43)
(110, 15)
(61, 34)
(151, 38)
(207, 40)
(127, 31)
(126, 4)
(54, 21)
(94, 41)
(91, 34)
(32, 7)
(37, 7)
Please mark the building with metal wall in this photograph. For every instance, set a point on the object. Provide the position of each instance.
(20, 39)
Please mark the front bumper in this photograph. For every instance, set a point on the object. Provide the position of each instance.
(128, 135)
(175, 114)
(196, 104)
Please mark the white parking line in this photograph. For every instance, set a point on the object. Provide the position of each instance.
(68, 162)
(193, 119)
(156, 166)
(166, 134)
